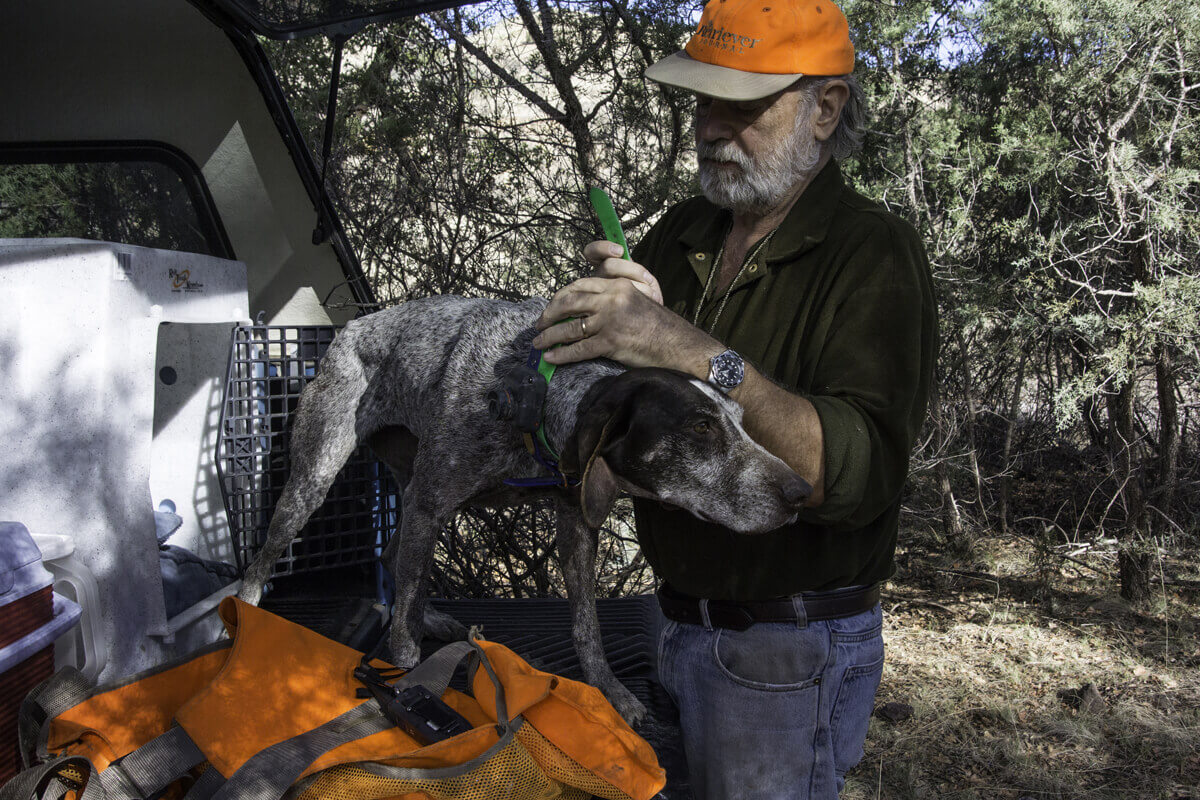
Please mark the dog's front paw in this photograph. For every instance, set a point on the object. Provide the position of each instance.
(405, 653)
(628, 706)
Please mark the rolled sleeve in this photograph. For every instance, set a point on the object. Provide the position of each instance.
(872, 378)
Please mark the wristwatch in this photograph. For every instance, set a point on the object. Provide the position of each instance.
(726, 370)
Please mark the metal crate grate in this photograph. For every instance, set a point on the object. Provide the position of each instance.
(269, 366)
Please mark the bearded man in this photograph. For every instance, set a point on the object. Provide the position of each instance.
(812, 307)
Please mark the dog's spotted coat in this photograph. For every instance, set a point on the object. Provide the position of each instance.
(412, 382)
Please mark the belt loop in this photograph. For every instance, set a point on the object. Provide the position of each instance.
(801, 613)
(704, 618)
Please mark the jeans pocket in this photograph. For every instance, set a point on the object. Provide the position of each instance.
(852, 713)
(773, 656)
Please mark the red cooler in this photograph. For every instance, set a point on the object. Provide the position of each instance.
(31, 618)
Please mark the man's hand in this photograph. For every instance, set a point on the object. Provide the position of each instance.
(619, 315)
(606, 261)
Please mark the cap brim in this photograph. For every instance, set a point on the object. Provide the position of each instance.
(684, 72)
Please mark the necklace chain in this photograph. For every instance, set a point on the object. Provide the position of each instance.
(716, 267)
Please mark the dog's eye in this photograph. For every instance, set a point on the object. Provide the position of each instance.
(701, 427)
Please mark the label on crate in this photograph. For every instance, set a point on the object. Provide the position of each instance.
(181, 281)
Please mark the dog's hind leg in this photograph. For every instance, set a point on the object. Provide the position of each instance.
(397, 447)
(409, 558)
(322, 438)
(577, 556)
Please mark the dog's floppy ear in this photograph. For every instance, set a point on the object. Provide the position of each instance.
(605, 420)
(598, 488)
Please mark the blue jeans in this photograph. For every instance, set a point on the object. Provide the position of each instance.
(776, 711)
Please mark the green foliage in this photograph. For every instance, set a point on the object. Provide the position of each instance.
(1101, 141)
(1047, 152)
(135, 202)
(466, 139)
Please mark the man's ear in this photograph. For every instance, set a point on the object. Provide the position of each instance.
(831, 99)
(603, 424)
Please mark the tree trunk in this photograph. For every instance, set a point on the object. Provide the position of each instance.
(540, 26)
(1135, 565)
(952, 528)
(969, 394)
(1014, 409)
(1092, 421)
(1168, 430)
(1133, 559)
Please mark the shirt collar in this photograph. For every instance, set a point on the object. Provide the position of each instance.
(805, 225)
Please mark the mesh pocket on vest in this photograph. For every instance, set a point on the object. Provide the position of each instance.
(510, 774)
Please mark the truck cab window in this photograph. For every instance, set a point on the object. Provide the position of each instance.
(122, 198)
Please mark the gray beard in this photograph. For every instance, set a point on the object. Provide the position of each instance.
(764, 182)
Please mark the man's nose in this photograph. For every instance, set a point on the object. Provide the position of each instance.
(714, 122)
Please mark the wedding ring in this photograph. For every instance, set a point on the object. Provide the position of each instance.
(583, 326)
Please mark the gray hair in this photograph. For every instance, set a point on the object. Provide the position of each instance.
(847, 137)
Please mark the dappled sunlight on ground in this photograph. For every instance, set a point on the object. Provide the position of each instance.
(995, 666)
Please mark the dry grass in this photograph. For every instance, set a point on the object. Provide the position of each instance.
(981, 654)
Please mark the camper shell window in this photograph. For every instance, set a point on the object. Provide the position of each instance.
(146, 194)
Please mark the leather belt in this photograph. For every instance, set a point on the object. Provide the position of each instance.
(740, 616)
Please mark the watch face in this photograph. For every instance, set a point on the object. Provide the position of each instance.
(727, 370)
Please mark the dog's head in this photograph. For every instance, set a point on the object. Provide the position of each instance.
(666, 436)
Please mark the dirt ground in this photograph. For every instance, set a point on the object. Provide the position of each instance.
(994, 657)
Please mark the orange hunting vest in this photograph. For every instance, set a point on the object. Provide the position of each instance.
(276, 708)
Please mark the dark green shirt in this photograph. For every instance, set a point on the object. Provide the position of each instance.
(838, 308)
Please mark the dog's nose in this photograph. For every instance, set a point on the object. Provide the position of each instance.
(795, 491)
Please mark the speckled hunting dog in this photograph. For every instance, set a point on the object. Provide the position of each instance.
(412, 382)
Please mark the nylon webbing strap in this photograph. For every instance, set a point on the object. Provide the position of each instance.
(435, 672)
(269, 773)
(501, 703)
(44, 782)
(149, 769)
(25, 784)
(206, 785)
(546, 369)
(65, 689)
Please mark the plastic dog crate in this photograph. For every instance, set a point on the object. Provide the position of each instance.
(269, 366)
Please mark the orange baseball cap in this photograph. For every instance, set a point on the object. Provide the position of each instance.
(747, 49)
